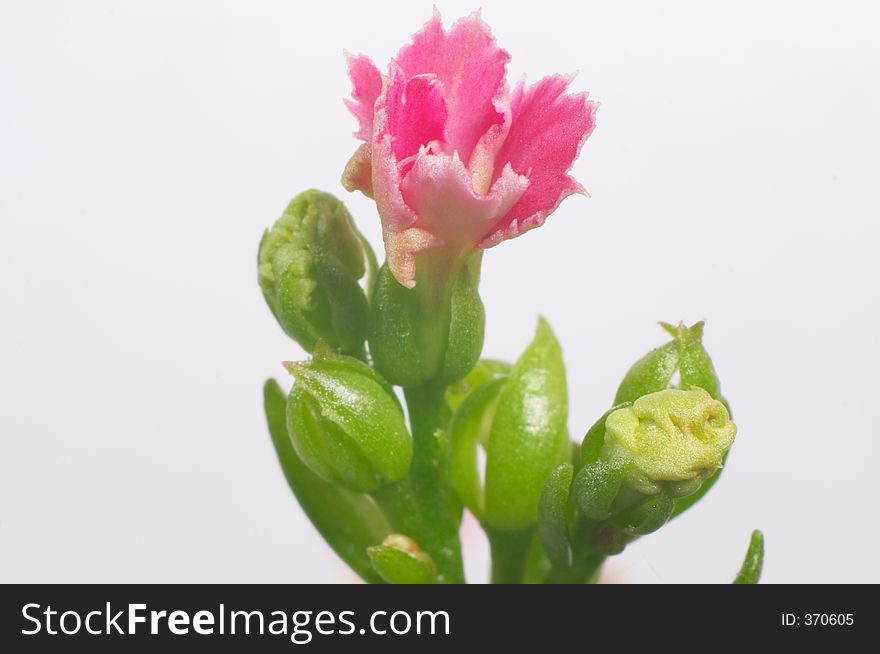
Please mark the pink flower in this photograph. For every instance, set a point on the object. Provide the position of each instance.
(453, 159)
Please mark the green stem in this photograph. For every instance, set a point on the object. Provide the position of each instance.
(585, 562)
(510, 551)
(421, 506)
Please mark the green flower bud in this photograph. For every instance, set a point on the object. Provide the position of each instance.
(685, 354)
(346, 423)
(662, 447)
(430, 333)
(672, 435)
(399, 560)
(520, 420)
(309, 265)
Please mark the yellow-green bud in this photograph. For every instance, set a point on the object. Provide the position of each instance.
(671, 435)
(661, 447)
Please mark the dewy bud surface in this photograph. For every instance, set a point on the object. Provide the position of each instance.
(346, 424)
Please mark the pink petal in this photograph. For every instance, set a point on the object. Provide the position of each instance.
(403, 240)
(366, 83)
(548, 128)
(470, 68)
(482, 161)
(415, 112)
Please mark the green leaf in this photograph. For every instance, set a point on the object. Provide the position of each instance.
(528, 436)
(553, 515)
(349, 522)
(750, 572)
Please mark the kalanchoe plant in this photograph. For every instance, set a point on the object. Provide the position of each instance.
(457, 163)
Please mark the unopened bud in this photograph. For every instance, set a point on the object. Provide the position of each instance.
(309, 265)
(346, 424)
(663, 446)
(400, 560)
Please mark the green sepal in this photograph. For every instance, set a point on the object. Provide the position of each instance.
(349, 522)
(750, 572)
(597, 486)
(695, 366)
(467, 323)
(591, 447)
(398, 560)
(646, 517)
(432, 333)
(404, 354)
(553, 515)
(309, 264)
(684, 503)
(528, 435)
(650, 374)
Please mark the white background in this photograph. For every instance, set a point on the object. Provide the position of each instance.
(144, 146)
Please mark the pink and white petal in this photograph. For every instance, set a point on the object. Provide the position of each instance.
(393, 210)
(358, 173)
(402, 238)
(470, 67)
(548, 128)
(440, 192)
(366, 81)
(482, 161)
